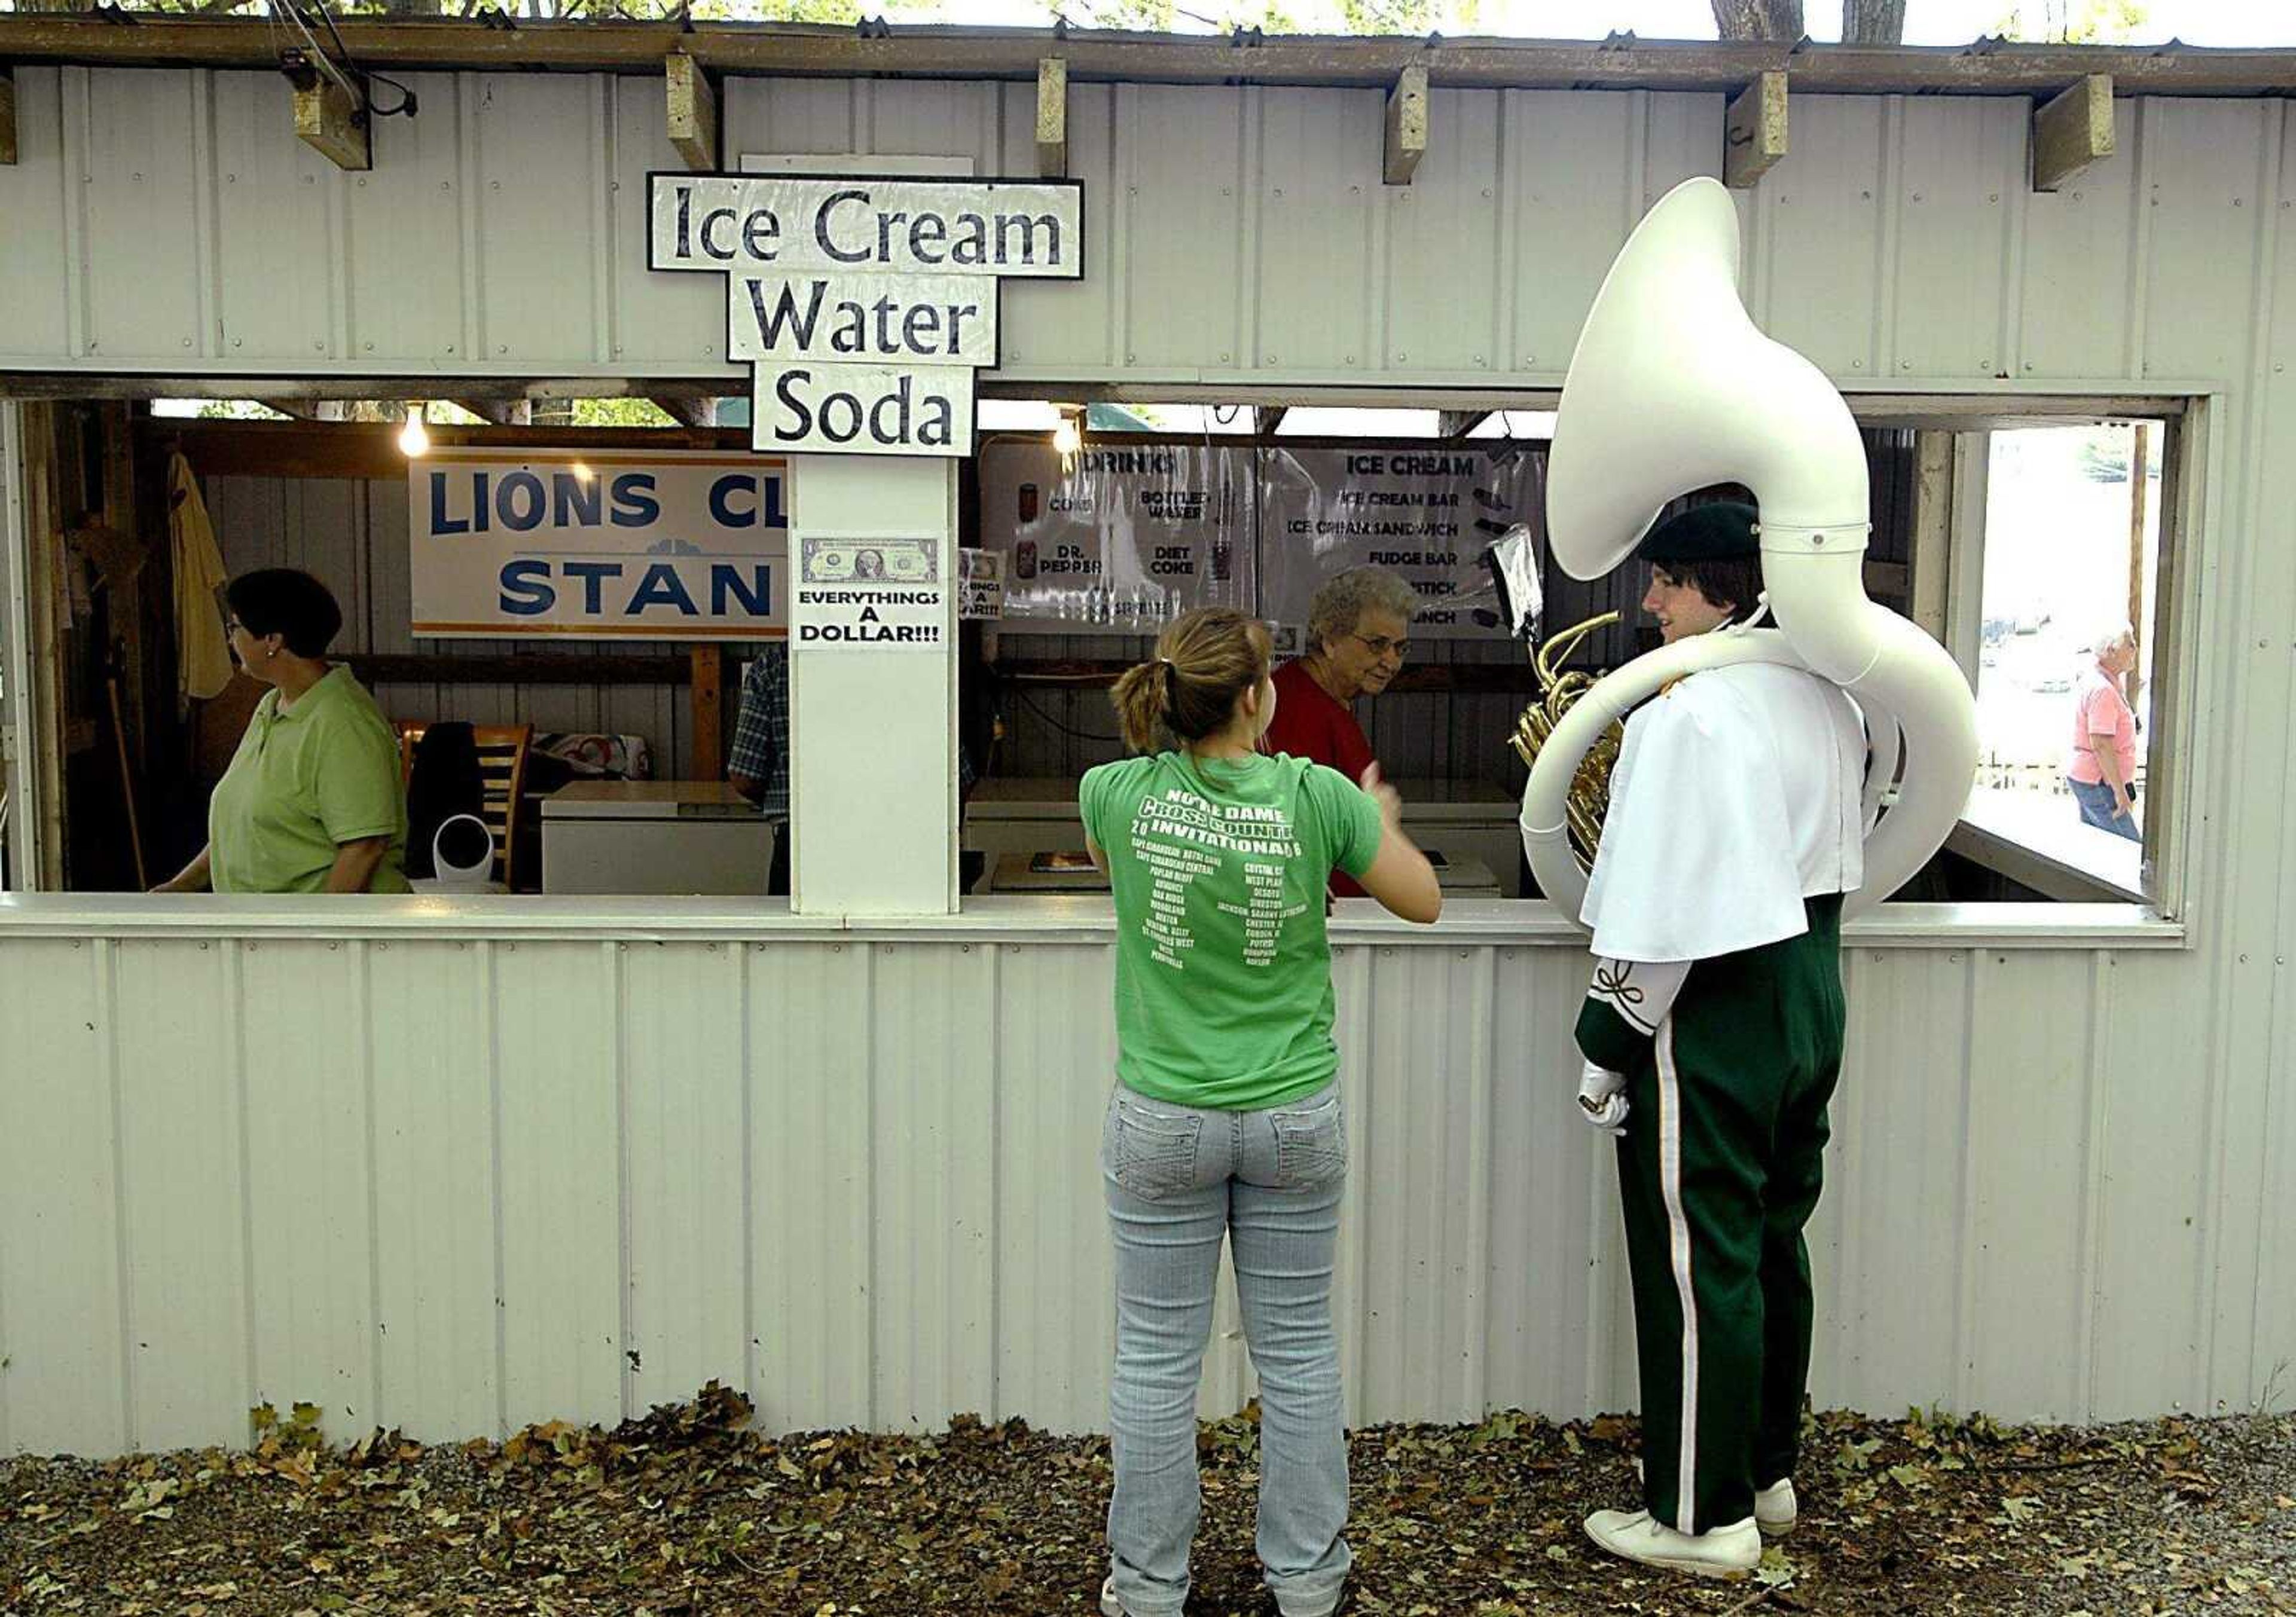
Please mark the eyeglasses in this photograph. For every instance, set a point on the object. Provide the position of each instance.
(1378, 645)
(233, 626)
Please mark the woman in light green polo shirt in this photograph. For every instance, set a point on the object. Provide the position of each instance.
(313, 801)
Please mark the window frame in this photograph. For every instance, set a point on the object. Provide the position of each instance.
(2191, 465)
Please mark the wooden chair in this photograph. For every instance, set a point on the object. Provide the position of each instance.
(502, 768)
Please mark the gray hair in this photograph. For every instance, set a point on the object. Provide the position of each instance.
(1340, 605)
(2109, 632)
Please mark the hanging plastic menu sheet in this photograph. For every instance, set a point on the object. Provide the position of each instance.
(1123, 539)
(1427, 512)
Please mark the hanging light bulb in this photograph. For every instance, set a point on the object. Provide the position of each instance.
(415, 438)
(1067, 438)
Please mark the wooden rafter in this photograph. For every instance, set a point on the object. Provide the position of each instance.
(1754, 136)
(1052, 118)
(1407, 124)
(500, 412)
(692, 102)
(686, 410)
(1266, 417)
(7, 114)
(2072, 131)
(1459, 423)
(329, 122)
(445, 45)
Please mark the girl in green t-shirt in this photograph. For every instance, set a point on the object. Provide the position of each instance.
(1226, 1121)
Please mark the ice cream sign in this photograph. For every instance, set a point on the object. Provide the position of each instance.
(863, 304)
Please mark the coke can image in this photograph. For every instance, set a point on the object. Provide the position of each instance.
(1028, 503)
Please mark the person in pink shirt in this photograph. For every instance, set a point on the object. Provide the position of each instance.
(2102, 770)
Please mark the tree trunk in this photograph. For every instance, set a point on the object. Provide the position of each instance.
(1759, 19)
(1873, 21)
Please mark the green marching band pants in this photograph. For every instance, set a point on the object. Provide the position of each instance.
(1718, 1172)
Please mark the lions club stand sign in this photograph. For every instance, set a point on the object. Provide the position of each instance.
(580, 542)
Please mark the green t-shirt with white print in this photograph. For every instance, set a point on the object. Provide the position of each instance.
(1223, 971)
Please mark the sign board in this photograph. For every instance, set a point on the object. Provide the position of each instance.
(1123, 538)
(864, 304)
(980, 581)
(604, 542)
(871, 594)
(1426, 511)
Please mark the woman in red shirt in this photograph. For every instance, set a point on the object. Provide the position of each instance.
(1357, 637)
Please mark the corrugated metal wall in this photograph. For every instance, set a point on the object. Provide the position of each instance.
(2061, 1171)
(457, 1185)
(352, 534)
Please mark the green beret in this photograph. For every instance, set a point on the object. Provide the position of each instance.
(1704, 533)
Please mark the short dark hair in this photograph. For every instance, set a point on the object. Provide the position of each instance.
(1734, 582)
(290, 603)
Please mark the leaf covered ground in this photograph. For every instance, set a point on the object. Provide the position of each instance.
(689, 1512)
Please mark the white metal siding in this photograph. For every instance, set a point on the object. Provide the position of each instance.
(457, 1187)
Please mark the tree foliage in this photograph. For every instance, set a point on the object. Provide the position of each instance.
(2074, 21)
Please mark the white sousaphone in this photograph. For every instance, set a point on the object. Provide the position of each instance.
(1672, 389)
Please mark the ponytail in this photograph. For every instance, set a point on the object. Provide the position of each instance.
(1188, 691)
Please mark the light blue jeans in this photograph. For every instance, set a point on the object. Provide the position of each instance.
(1180, 1178)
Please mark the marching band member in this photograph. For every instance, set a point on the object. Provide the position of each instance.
(1712, 1040)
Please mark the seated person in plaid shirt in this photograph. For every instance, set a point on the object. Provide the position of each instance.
(760, 764)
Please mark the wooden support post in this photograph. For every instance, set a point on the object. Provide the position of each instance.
(1406, 125)
(2073, 132)
(1266, 417)
(1459, 423)
(327, 122)
(693, 112)
(1932, 531)
(1052, 118)
(1754, 138)
(2140, 459)
(709, 732)
(7, 114)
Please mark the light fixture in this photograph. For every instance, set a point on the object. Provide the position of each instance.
(415, 438)
(1067, 438)
(582, 472)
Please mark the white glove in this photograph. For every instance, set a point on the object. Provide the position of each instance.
(1602, 1098)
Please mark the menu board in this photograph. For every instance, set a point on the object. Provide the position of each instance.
(1425, 511)
(1120, 540)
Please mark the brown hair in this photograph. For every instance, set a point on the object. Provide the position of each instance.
(1732, 582)
(1203, 662)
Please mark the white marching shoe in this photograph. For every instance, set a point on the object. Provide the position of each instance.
(1775, 1510)
(1725, 1552)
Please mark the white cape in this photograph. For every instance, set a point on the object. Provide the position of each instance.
(1736, 796)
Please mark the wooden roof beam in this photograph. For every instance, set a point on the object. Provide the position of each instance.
(499, 411)
(1754, 138)
(687, 412)
(1266, 417)
(2072, 131)
(1407, 124)
(693, 112)
(1459, 423)
(1052, 118)
(7, 114)
(326, 121)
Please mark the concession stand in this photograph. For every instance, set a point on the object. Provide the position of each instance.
(453, 1162)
